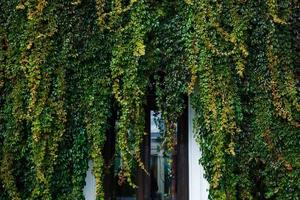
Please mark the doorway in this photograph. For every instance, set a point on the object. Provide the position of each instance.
(168, 172)
(168, 179)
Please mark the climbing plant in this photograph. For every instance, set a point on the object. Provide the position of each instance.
(67, 68)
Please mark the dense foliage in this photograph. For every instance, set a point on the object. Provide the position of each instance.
(67, 66)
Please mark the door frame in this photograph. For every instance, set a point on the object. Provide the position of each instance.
(198, 186)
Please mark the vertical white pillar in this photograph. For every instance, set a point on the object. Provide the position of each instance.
(198, 185)
(89, 189)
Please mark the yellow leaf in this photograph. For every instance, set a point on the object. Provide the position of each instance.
(139, 49)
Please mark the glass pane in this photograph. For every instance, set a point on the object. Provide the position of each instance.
(162, 171)
(123, 191)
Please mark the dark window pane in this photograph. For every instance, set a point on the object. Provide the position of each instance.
(123, 191)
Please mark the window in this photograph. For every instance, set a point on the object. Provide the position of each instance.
(166, 180)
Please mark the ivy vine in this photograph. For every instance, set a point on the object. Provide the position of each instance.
(67, 66)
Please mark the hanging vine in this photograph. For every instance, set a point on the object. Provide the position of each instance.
(66, 66)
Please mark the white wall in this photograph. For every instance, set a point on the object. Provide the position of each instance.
(89, 189)
(198, 186)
